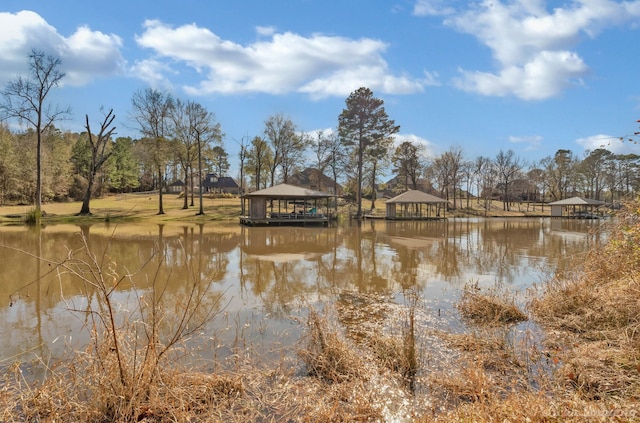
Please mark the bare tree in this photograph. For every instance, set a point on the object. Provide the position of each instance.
(186, 144)
(478, 166)
(25, 99)
(99, 155)
(377, 159)
(467, 172)
(537, 177)
(447, 170)
(207, 132)
(287, 146)
(321, 146)
(242, 155)
(258, 156)
(151, 111)
(337, 159)
(508, 166)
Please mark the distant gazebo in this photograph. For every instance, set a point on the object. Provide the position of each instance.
(578, 207)
(415, 205)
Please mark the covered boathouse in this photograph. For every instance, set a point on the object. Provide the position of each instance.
(415, 205)
(577, 207)
(286, 205)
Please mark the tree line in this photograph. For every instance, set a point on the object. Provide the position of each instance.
(182, 140)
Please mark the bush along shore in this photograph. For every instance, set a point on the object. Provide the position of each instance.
(567, 350)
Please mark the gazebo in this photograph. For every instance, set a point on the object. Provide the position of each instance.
(286, 204)
(415, 205)
(581, 208)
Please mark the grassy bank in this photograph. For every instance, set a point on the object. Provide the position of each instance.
(132, 207)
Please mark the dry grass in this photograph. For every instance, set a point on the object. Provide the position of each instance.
(328, 356)
(588, 368)
(130, 207)
(493, 307)
(593, 317)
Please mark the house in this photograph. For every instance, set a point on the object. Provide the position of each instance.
(313, 179)
(175, 187)
(519, 190)
(213, 183)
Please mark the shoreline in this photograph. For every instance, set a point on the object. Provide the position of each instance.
(137, 207)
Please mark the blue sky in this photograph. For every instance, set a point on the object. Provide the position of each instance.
(527, 75)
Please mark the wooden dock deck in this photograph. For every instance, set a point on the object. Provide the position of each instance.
(287, 219)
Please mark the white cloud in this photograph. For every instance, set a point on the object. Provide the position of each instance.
(92, 53)
(432, 8)
(318, 65)
(85, 55)
(154, 73)
(430, 150)
(531, 141)
(265, 31)
(544, 76)
(533, 48)
(327, 132)
(609, 142)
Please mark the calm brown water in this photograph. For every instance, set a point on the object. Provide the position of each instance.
(262, 279)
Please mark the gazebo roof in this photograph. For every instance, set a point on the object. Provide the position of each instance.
(288, 191)
(414, 196)
(577, 201)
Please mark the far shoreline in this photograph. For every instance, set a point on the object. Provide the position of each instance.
(144, 207)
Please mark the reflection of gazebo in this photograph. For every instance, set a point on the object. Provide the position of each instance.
(286, 205)
(582, 208)
(266, 241)
(415, 205)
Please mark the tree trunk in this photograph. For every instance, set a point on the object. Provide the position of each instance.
(373, 187)
(39, 175)
(192, 188)
(201, 210)
(160, 187)
(359, 185)
(85, 210)
(185, 205)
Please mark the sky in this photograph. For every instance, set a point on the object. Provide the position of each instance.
(528, 75)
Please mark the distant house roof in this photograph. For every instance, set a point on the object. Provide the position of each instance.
(414, 196)
(577, 201)
(313, 178)
(176, 183)
(213, 181)
(227, 182)
(288, 191)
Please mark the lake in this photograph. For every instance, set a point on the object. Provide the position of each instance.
(260, 281)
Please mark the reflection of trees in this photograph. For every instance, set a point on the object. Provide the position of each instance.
(433, 247)
(174, 256)
(281, 266)
(502, 248)
(175, 268)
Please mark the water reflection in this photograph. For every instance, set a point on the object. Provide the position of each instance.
(266, 274)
